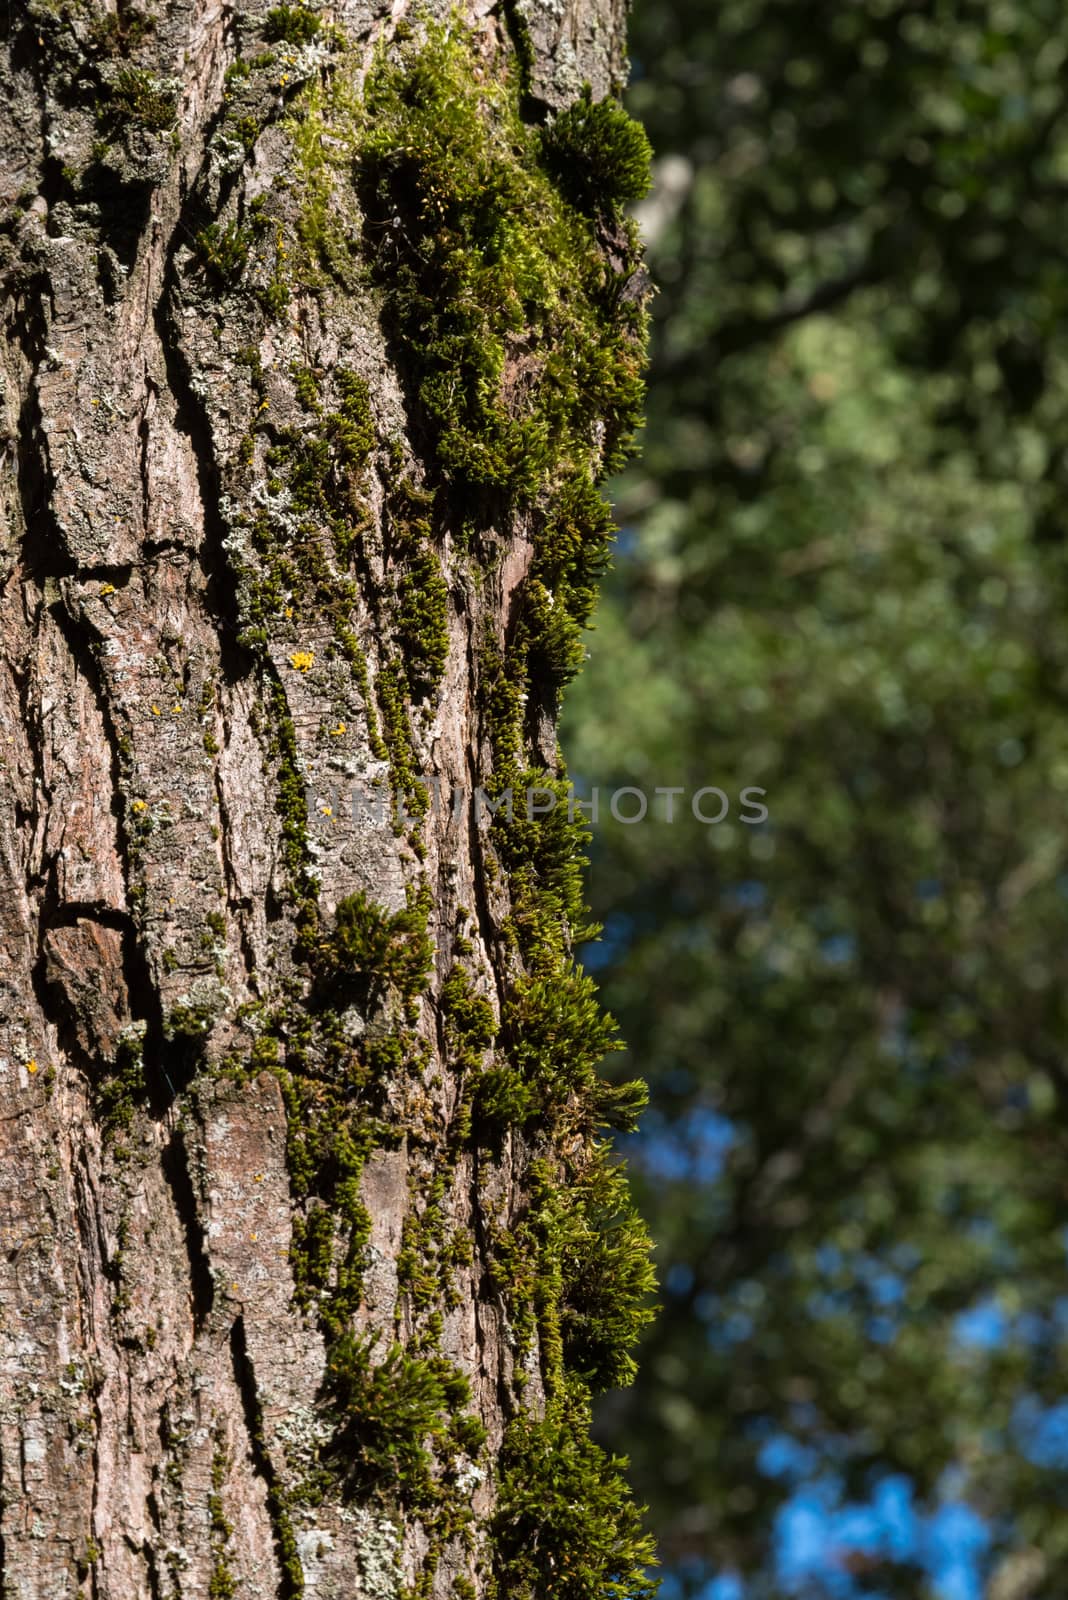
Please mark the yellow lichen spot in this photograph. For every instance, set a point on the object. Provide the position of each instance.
(235, 1287)
(265, 404)
(253, 1237)
(138, 806)
(301, 660)
(258, 1177)
(156, 711)
(327, 811)
(175, 710)
(31, 1067)
(288, 611)
(106, 588)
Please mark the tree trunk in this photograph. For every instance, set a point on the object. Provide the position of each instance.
(320, 329)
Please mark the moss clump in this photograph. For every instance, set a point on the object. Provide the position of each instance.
(292, 806)
(327, 1154)
(124, 1088)
(470, 1023)
(325, 473)
(291, 24)
(393, 698)
(555, 1036)
(190, 1020)
(135, 95)
(544, 856)
(421, 622)
(378, 947)
(598, 154)
(495, 284)
(395, 1413)
(569, 563)
(606, 1277)
(565, 1527)
(222, 253)
(576, 1267)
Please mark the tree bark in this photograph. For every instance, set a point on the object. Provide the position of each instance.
(300, 1179)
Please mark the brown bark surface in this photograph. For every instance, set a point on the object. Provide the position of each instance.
(161, 1380)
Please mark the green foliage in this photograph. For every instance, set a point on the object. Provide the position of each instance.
(598, 154)
(565, 1528)
(846, 584)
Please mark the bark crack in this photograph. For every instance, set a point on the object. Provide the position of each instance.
(176, 1170)
(290, 1579)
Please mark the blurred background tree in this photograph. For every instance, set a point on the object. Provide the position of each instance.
(842, 577)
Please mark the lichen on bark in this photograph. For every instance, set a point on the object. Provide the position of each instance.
(319, 346)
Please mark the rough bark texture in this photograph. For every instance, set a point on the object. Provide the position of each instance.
(287, 1181)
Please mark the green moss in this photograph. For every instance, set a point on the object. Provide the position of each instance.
(565, 1527)
(598, 154)
(606, 1277)
(421, 622)
(137, 96)
(292, 806)
(494, 283)
(123, 1089)
(189, 1021)
(325, 472)
(470, 1023)
(379, 947)
(569, 563)
(222, 1585)
(556, 1034)
(88, 1561)
(291, 24)
(577, 1271)
(308, 390)
(393, 698)
(396, 1411)
(221, 253)
(521, 334)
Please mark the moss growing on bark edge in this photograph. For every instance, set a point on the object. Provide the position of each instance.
(519, 333)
